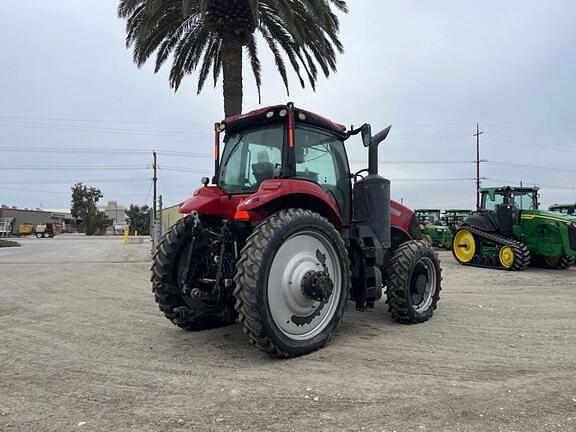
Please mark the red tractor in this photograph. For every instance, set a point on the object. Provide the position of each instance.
(285, 235)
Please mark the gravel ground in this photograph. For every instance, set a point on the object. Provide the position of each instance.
(84, 348)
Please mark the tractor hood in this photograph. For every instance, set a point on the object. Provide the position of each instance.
(548, 215)
(212, 200)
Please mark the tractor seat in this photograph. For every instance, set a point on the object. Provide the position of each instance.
(309, 175)
(263, 169)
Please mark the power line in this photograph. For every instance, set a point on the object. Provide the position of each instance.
(114, 131)
(425, 162)
(74, 167)
(511, 182)
(518, 165)
(60, 192)
(535, 131)
(67, 150)
(531, 143)
(432, 179)
(26, 182)
(61, 119)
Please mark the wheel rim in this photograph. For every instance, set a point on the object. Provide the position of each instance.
(507, 256)
(464, 246)
(297, 316)
(552, 261)
(423, 284)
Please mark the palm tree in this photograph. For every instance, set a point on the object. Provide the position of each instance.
(211, 36)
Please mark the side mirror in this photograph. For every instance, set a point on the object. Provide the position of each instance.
(366, 131)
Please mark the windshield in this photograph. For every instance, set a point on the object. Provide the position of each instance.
(523, 201)
(428, 217)
(520, 200)
(250, 157)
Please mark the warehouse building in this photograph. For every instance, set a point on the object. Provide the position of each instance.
(169, 216)
(117, 215)
(15, 217)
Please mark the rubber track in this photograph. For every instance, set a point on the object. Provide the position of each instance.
(521, 252)
(565, 262)
(396, 290)
(247, 270)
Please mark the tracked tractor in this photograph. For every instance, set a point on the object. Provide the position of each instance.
(432, 226)
(285, 235)
(509, 232)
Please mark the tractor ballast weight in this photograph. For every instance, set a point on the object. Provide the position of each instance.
(282, 239)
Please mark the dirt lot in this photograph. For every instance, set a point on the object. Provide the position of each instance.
(83, 347)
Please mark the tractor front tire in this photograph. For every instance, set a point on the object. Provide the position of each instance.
(414, 283)
(168, 266)
(556, 263)
(289, 259)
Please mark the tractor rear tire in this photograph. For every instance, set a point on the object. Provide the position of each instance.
(167, 269)
(276, 312)
(414, 283)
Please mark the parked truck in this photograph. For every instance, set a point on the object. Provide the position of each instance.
(48, 230)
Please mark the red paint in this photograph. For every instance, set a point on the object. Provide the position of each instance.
(323, 121)
(216, 141)
(213, 201)
(401, 216)
(271, 190)
(290, 128)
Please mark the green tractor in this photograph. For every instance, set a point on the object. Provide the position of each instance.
(431, 225)
(509, 232)
(567, 209)
(455, 218)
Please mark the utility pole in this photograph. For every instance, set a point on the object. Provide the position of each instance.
(477, 135)
(160, 227)
(154, 180)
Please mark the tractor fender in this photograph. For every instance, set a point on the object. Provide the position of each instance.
(483, 223)
(278, 194)
(399, 236)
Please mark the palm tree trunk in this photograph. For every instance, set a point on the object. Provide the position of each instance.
(232, 74)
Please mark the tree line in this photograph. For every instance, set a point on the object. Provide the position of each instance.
(93, 221)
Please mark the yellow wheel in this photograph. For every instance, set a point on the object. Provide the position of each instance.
(552, 261)
(507, 257)
(464, 246)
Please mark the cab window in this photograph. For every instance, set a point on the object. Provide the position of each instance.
(321, 158)
(489, 203)
(250, 157)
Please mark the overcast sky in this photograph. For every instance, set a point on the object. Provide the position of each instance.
(432, 69)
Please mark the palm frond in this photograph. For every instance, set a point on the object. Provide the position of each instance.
(303, 33)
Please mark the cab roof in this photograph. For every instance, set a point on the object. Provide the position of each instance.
(273, 113)
(556, 206)
(504, 189)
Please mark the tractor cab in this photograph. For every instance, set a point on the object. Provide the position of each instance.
(262, 147)
(505, 204)
(428, 217)
(567, 209)
(520, 198)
